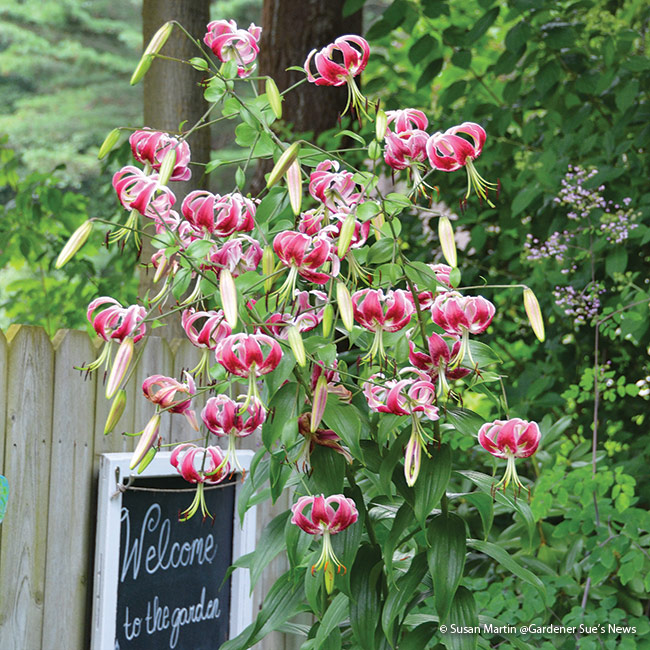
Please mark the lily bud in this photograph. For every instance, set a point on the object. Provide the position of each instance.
(163, 260)
(142, 68)
(159, 38)
(447, 241)
(76, 241)
(120, 366)
(534, 314)
(284, 162)
(108, 143)
(268, 266)
(378, 221)
(381, 124)
(167, 167)
(297, 346)
(146, 441)
(228, 293)
(319, 404)
(294, 185)
(155, 45)
(374, 150)
(344, 301)
(146, 461)
(274, 97)
(345, 237)
(117, 408)
(328, 319)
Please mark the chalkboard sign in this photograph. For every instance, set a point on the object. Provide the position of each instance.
(159, 582)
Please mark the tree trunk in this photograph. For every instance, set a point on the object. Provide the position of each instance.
(172, 94)
(292, 28)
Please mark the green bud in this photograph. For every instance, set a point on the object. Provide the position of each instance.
(167, 167)
(274, 97)
(328, 319)
(381, 124)
(108, 143)
(115, 413)
(284, 162)
(447, 241)
(534, 314)
(76, 241)
(374, 150)
(297, 345)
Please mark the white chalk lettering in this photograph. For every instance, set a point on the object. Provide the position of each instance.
(154, 543)
(160, 619)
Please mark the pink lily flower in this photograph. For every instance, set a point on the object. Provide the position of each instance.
(311, 222)
(406, 119)
(402, 396)
(224, 416)
(510, 439)
(238, 255)
(229, 43)
(322, 437)
(219, 215)
(448, 152)
(379, 312)
(304, 256)
(441, 272)
(461, 316)
(116, 323)
(326, 521)
(406, 150)
(135, 191)
(213, 330)
(151, 147)
(355, 52)
(436, 363)
(335, 189)
(171, 395)
(305, 317)
(248, 355)
(199, 465)
(251, 356)
(411, 396)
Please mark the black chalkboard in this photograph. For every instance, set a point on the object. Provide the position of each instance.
(170, 592)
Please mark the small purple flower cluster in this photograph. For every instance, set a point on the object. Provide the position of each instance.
(573, 195)
(616, 225)
(618, 219)
(583, 305)
(555, 246)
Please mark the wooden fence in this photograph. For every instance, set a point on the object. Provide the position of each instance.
(51, 435)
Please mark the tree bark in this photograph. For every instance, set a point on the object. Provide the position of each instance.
(292, 28)
(172, 94)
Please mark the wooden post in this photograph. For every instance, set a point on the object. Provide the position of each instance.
(27, 467)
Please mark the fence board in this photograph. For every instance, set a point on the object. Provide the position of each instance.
(156, 360)
(27, 467)
(71, 486)
(186, 357)
(53, 423)
(104, 444)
